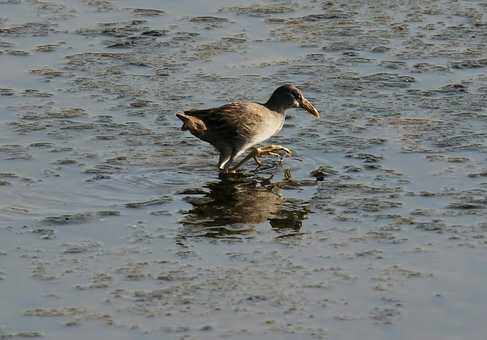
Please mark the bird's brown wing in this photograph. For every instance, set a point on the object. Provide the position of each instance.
(229, 123)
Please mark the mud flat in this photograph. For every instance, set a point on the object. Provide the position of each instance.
(114, 224)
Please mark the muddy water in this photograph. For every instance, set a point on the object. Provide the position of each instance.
(114, 224)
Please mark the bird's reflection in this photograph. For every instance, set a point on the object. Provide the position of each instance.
(234, 206)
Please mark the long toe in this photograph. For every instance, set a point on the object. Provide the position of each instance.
(282, 149)
(287, 151)
(273, 150)
(257, 161)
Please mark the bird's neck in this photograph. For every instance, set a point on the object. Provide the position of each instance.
(275, 106)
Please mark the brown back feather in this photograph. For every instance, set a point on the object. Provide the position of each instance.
(231, 124)
(193, 124)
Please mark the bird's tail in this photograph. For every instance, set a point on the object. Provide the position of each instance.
(191, 123)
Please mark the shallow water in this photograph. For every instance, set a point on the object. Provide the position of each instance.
(114, 224)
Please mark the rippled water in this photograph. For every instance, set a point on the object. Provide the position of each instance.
(115, 225)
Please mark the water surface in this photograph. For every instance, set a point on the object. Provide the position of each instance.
(115, 225)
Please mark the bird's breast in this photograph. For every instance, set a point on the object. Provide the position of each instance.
(269, 126)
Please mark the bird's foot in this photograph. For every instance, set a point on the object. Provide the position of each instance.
(271, 150)
(226, 172)
(230, 173)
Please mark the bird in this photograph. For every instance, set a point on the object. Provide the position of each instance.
(239, 126)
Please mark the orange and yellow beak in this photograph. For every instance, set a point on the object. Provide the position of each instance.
(306, 104)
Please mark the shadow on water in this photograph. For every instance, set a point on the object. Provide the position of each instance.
(233, 206)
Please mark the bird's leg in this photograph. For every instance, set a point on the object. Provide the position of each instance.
(246, 158)
(226, 158)
(226, 172)
(273, 150)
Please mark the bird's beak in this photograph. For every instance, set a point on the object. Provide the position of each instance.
(306, 104)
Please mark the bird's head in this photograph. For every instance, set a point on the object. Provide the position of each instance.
(289, 96)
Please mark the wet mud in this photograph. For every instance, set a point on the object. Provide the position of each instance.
(115, 225)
